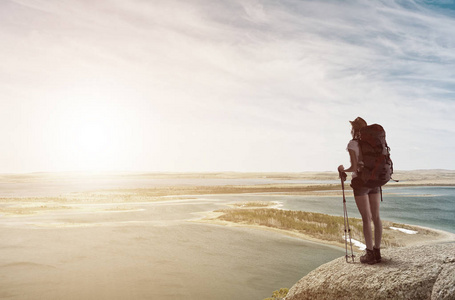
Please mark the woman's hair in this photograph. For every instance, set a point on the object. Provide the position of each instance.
(357, 124)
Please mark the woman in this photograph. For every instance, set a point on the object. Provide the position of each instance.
(367, 199)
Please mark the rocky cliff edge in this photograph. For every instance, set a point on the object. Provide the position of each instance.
(418, 272)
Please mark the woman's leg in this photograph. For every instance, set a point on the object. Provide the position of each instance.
(375, 200)
(363, 204)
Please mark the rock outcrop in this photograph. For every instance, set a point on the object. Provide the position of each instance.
(418, 272)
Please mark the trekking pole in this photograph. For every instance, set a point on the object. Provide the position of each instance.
(347, 229)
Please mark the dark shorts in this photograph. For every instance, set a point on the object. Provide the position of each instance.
(361, 191)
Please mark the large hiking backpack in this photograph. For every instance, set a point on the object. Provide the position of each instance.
(376, 167)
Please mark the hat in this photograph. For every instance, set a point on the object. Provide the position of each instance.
(358, 123)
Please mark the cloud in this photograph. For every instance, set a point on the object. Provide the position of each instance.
(239, 76)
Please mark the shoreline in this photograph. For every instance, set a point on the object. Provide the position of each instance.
(99, 238)
(438, 236)
(15, 205)
(289, 233)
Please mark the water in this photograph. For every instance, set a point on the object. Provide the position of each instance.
(54, 186)
(425, 206)
(148, 252)
(432, 207)
(155, 260)
(154, 252)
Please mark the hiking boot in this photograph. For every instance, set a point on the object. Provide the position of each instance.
(377, 254)
(368, 258)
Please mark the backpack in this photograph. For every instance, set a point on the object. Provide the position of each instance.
(376, 166)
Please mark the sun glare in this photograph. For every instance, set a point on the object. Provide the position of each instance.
(94, 130)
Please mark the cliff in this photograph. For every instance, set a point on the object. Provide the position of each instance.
(418, 272)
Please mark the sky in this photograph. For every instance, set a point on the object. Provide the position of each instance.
(222, 85)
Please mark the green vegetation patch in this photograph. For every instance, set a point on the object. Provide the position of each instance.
(278, 294)
(321, 226)
(317, 225)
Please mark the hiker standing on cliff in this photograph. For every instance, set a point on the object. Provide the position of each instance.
(366, 198)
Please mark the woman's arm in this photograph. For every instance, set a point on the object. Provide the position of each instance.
(353, 166)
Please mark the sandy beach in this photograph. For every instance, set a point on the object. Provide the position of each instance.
(142, 236)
